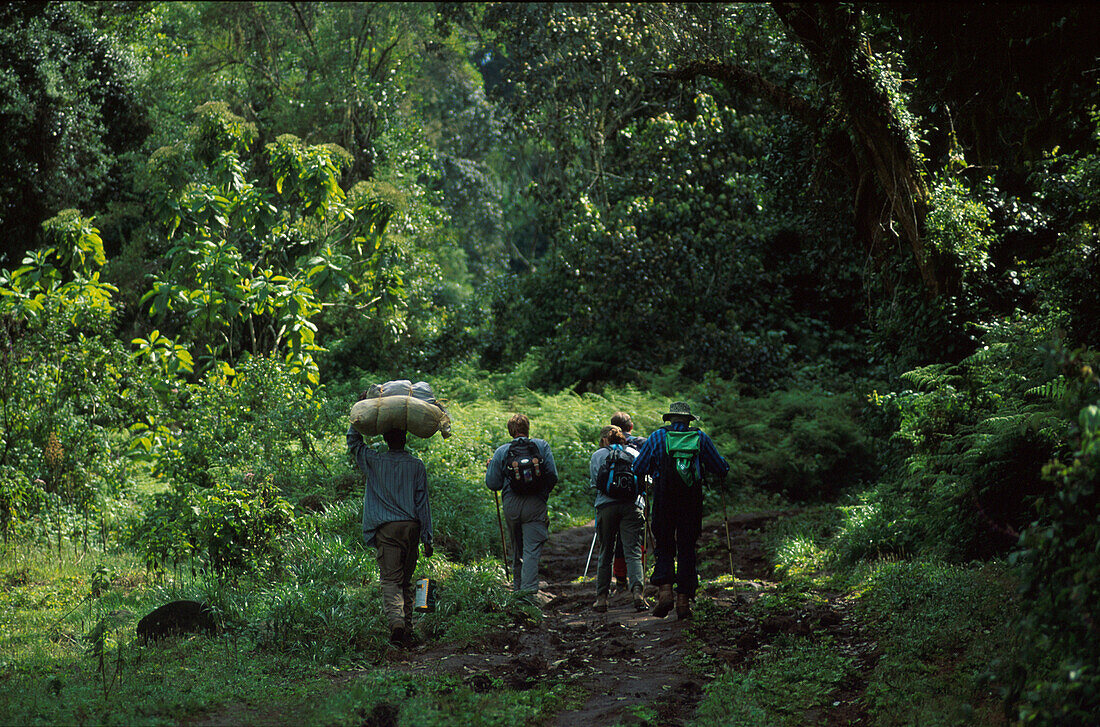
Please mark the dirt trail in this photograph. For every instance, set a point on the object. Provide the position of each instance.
(628, 659)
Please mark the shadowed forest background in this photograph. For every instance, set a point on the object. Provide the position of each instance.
(860, 239)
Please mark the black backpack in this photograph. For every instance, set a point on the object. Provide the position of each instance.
(616, 477)
(523, 468)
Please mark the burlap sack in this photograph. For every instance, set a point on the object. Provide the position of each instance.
(401, 405)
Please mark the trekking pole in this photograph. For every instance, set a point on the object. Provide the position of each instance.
(503, 545)
(645, 528)
(588, 560)
(729, 547)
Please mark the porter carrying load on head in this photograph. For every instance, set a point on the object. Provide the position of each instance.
(400, 405)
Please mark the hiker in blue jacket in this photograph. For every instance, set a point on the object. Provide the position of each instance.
(677, 456)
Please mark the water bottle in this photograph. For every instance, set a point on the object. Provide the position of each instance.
(424, 598)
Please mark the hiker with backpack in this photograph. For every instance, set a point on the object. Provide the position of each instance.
(396, 520)
(623, 421)
(619, 512)
(676, 456)
(524, 471)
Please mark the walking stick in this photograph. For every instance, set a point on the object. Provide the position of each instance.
(503, 545)
(729, 547)
(588, 560)
(645, 528)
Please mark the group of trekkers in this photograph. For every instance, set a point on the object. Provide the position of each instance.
(668, 466)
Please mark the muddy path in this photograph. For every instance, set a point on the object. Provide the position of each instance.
(630, 663)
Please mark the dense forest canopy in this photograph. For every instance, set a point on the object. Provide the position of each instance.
(863, 236)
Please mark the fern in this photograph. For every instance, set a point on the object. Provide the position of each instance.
(986, 355)
(1054, 390)
(930, 377)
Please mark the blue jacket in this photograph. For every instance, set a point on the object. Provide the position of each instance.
(651, 458)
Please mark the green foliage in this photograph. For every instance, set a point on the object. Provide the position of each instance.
(397, 698)
(228, 528)
(958, 227)
(966, 455)
(937, 629)
(797, 675)
(637, 256)
(250, 268)
(63, 279)
(72, 112)
(471, 601)
(805, 445)
(1059, 560)
(253, 419)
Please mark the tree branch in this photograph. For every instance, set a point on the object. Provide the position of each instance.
(741, 79)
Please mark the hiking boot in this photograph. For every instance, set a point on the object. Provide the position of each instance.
(600, 606)
(664, 601)
(683, 606)
(639, 599)
(401, 637)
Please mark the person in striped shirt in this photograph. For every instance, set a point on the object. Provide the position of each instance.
(396, 520)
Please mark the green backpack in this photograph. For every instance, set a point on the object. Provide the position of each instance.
(682, 448)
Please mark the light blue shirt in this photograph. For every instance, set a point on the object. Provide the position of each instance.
(594, 465)
(494, 475)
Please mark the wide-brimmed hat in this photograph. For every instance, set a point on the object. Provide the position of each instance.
(679, 409)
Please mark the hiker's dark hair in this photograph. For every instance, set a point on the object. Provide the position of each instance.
(612, 435)
(519, 426)
(395, 438)
(622, 420)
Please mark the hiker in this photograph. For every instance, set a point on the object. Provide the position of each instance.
(396, 518)
(618, 512)
(676, 456)
(524, 471)
(623, 421)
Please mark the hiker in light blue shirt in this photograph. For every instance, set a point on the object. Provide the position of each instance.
(528, 523)
(616, 517)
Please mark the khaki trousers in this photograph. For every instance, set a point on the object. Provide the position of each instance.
(398, 545)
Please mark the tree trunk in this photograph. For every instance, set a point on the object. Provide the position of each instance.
(884, 137)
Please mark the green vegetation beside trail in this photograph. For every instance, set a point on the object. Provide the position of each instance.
(862, 241)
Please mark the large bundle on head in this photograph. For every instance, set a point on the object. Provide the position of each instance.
(401, 405)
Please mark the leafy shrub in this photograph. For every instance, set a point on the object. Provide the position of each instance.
(971, 440)
(1059, 681)
(257, 418)
(806, 445)
(229, 527)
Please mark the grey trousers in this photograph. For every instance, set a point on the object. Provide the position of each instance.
(398, 545)
(626, 519)
(528, 529)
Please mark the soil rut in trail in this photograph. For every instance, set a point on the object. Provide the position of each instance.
(625, 659)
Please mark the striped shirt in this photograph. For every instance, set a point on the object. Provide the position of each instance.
(396, 488)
